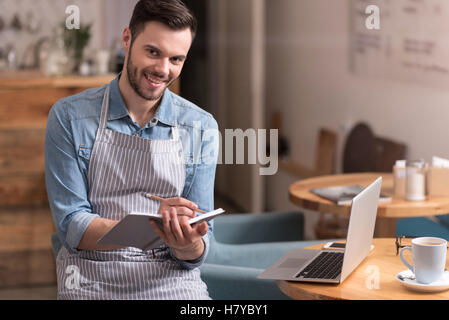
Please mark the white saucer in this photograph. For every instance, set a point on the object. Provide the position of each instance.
(437, 286)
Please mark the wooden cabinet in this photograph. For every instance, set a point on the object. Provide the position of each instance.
(25, 101)
(26, 223)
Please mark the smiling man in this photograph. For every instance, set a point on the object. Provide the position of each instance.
(107, 147)
(154, 60)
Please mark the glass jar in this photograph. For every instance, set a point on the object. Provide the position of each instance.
(415, 188)
(58, 61)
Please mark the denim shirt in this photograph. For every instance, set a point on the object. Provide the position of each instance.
(71, 129)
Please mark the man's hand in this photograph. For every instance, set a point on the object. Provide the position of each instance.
(182, 206)
(185, 240)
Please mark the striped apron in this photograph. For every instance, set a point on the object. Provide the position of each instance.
(122, 169)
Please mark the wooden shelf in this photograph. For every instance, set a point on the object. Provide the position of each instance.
(26, 254)
(35, 79)
(26, 224)
(25, 228)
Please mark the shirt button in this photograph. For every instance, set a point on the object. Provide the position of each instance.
(137, 134)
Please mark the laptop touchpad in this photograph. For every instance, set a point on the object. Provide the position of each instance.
(293, 263)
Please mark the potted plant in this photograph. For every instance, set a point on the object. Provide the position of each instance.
(76, 40)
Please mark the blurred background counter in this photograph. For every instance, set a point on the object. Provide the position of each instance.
(26, 97)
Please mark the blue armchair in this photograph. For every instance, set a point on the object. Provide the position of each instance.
(438, 226)
(243, 246)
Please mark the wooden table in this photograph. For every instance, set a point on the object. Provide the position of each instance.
(373, 279)
(387, 213)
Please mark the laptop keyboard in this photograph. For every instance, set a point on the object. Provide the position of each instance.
(325, 266)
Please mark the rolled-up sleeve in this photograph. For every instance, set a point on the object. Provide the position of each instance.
(202, 188)
(192, 264)
(66, 184)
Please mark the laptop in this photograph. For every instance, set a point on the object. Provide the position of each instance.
(332, 266)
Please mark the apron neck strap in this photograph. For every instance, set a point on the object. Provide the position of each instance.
(175, 133)
(105, 109)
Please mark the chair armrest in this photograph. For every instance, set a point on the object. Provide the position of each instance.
(264, 227)
(421, 226)
(253, 255)
(239, 283)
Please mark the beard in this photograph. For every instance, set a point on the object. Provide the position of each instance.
(133, 79)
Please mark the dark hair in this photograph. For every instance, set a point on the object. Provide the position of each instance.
(173, 13)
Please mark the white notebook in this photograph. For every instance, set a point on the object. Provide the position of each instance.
(135, 230)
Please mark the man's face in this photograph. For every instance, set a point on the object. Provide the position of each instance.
(156, 58)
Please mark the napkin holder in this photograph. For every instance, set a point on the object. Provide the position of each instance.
(438, 181)
(399, 175)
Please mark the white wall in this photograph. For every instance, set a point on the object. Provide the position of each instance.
(117, 16)
(237, 94)
(308, 79)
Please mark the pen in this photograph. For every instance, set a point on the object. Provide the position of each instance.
(150, 196)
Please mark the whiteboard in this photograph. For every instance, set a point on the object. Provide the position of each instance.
(412, 44)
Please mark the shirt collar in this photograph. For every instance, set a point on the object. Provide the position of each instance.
(166, 112)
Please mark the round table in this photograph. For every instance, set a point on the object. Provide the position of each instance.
(300, 195)
(373, 279)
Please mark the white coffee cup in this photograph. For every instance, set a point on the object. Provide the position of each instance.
(429, 258)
